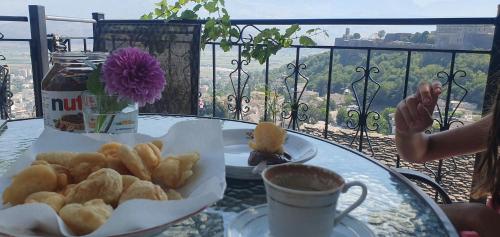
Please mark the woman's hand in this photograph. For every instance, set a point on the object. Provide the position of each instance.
(414, 114)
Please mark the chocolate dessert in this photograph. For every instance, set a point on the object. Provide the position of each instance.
(267, 145)
(272, 159)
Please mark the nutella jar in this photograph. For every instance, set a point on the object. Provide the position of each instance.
(62, 89)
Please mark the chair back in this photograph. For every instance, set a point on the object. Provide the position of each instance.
(175, 45)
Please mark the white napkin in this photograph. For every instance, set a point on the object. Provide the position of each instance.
(205, 187)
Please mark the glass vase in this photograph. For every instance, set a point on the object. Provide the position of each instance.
(109, 114)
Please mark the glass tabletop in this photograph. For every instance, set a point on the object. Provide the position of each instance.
(393, 207)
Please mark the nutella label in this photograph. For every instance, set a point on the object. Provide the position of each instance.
(63, 110)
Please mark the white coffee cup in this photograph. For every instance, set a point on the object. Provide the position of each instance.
(302, 200)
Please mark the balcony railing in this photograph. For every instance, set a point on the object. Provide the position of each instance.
(291, 109)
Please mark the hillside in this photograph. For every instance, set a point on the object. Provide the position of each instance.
(424, 66)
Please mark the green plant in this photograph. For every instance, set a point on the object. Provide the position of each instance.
(218, 27)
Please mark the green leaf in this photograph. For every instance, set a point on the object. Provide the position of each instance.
(159, 12)
(292, 29)
(234, 33)
(197, 7)
(310, 31)
(210, 24)
(183, 2)
(225, 45)
(306, 41)
(222, 3)
(188, 14)
(225, 20)
(94, 83)
(211, 7)
(148, 16)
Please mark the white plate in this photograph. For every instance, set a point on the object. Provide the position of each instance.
(236, 152)
(253, 222)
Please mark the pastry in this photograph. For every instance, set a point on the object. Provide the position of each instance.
(110, 152)
(105, 184)
(134, 163)
(65, 191)
(174, 171)
(83, 164)
(158, 143)
(54, 200)
(268, 138)
(173, 195)
(33, 179)
(149, 154)
(127, 180)
(60, 158)
(63, 173)
(267, 145)
(85, 218)
(142, 189)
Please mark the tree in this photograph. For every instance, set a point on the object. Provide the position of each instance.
(381, 34)
(356, 36)
(342, 116)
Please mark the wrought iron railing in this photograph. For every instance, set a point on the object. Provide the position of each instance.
(5, 89)
(363, 119)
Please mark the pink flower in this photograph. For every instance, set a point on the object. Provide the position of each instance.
(133, 74)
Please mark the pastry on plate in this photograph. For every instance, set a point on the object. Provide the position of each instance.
(110, 152)
(61, 158)
(142, 189)
(83, 164)
(33, 179)
(53, 199)
(267, 145)
(149, 154)
(105, 184)
(174, 171)
(85, 218)
(134, 163)
(127, 180)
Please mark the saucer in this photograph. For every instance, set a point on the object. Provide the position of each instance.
(253, 222)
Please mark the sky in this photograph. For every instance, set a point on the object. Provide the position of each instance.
(261, 9)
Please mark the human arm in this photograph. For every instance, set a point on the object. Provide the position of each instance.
(414, 115)
(473, 217)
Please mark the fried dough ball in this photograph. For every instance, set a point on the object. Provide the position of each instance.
(60, 158)
(128, 180)
(134, 163)
(142, 189)
(105, 184)
(63, 173)
(149, 154)
(33, 179)
(268, 138)
(85, 218)
(174, 171)
(67, 189)
(110, 152)
(54, 200)
(158, 143)
(173, 195)
(83, 164)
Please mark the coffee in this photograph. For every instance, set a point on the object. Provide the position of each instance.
(303, 182)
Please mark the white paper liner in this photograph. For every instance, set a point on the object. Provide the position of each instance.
(205, 187)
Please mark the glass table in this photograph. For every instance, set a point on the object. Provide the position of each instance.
(393, 207)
